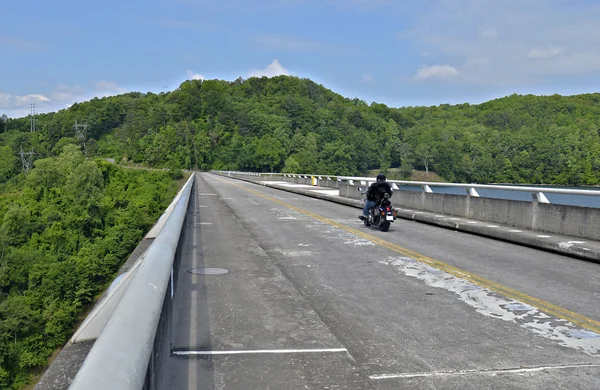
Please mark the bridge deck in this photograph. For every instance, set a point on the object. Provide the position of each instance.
(313, 299)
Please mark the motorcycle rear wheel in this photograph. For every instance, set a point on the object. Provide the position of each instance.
(385, 226)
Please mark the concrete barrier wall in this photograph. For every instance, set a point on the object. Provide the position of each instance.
(569, 220)
(506, 212)
(552, 218)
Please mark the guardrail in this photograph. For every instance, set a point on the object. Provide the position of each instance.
(537, 193)
(538, 214)
(120, 356)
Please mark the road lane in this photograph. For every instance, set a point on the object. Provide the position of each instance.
(297, 282)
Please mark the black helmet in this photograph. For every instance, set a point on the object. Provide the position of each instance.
(381, 177)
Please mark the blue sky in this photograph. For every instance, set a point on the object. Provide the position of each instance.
(401, 53)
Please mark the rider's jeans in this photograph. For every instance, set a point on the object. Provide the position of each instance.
(369, 204)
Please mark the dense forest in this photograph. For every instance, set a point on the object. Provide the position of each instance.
(65, 228)
(295, 125)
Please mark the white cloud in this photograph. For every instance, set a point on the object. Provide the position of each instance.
(542, 53)
(194, 76)
(60, 97)
(443, 72)
(18, 106)
(367, 77)
(64, 92)
(477, 61)
(273, 69)
(109, 86)
(8, 101)
(510, 35)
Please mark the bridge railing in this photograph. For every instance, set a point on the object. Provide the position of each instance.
(536, 212)
(121, 354)
(538, 194)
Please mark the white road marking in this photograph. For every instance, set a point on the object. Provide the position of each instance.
(492, 226)
(471, 222)
(516, 231)
(206, 223)
(543, 236)
(490, 371)
(202, 206)
(258, 351)
(204, 194)
(327, 192)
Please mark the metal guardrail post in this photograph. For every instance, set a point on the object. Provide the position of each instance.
(539, 197)
(472, 192)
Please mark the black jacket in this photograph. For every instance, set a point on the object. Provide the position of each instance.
(377, 189)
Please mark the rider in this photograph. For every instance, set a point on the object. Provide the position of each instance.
(375, 195)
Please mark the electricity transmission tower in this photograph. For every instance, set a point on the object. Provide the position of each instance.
(26, 159)
(32, 107)
(80, 131)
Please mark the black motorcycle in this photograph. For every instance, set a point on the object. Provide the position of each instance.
(382, 215)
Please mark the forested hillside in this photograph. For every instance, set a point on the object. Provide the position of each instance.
(65, 229)
(68, 218)
(290, 124)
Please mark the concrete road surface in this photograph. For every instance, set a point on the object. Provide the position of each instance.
(313, 299)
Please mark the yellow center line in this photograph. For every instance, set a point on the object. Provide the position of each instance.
(547, 307)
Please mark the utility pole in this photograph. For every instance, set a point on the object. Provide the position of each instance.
(26, 159)
(165, 88)
(32, 107)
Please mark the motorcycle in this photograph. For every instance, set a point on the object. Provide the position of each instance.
(382, 215)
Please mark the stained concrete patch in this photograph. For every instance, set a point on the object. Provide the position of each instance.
(493, 305)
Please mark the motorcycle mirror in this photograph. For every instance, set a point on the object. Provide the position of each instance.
(359, 189)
